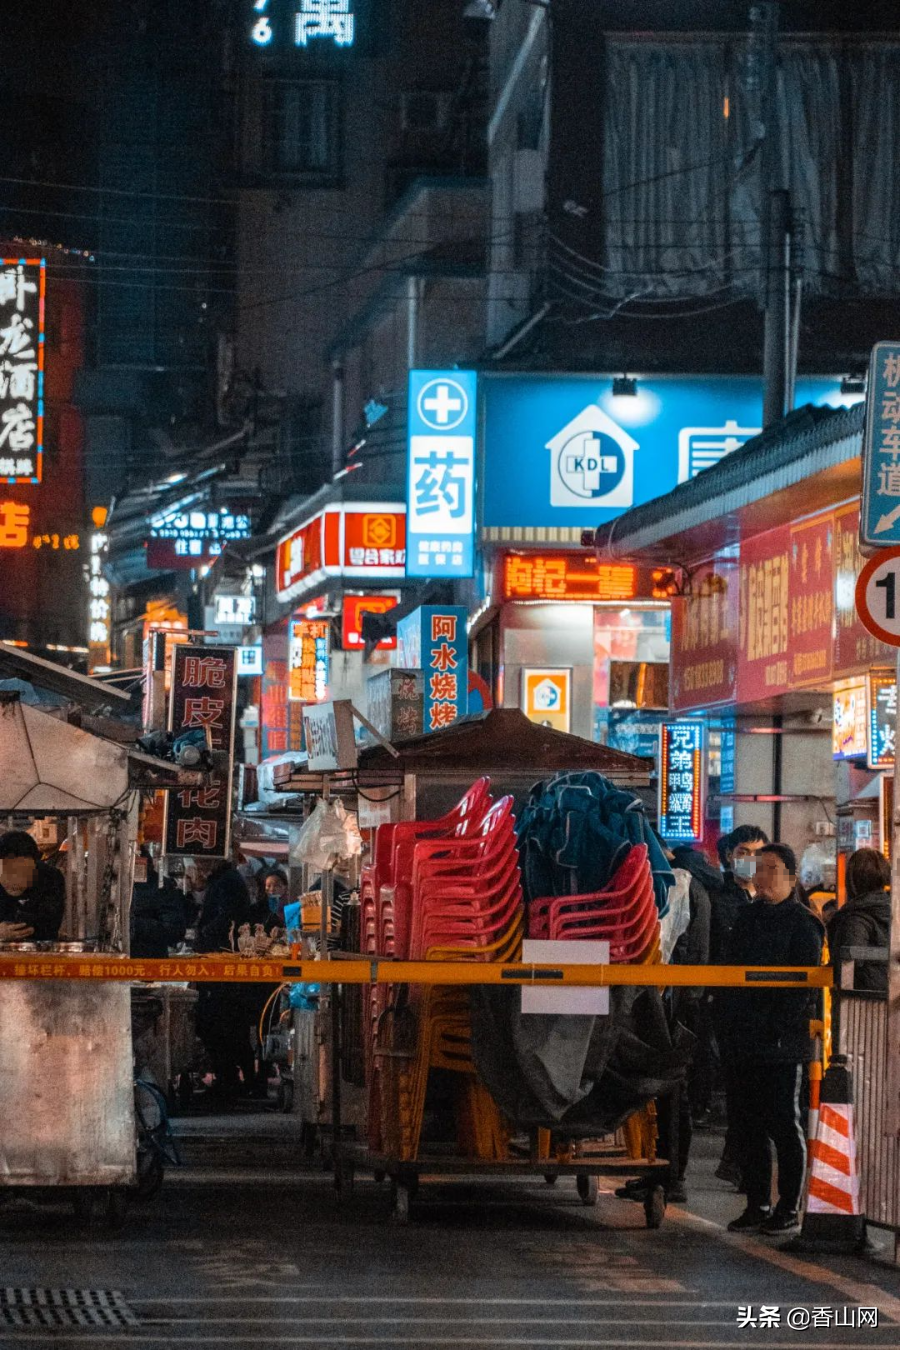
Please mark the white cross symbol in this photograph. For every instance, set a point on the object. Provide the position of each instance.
(442, 404)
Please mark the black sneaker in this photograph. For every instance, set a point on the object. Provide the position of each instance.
(781, 1221)
(633, 1190)
(751, 1221)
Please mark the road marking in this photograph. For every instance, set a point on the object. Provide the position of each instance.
(870, 1295)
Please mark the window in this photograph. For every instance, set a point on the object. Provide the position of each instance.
(301, 128)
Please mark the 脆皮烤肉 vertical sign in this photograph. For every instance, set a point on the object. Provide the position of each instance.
(203, 696)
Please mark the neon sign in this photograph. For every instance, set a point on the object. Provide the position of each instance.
(15, 531)
(314, 21)
(22, 296)
(681, 781)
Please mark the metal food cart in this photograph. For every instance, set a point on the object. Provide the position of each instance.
(67, 1104)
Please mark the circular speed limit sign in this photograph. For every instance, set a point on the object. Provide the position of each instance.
(878, 596)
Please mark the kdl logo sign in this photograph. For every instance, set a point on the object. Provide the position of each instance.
(592, 462)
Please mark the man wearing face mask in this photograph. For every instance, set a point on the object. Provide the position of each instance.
(32, 895)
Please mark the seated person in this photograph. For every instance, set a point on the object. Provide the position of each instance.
(32, 895)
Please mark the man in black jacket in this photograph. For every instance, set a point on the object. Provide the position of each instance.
(766, 1037)
(32, 895)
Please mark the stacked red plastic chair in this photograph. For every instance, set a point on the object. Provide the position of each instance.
(623, 913)
(447, 889)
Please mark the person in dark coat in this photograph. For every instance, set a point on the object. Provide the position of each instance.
(32, 895)
(766, 1037)
(222, 1012)
(738, 851)
(158, 920)
(865, 920)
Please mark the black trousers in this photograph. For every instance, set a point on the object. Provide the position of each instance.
(767, 1108)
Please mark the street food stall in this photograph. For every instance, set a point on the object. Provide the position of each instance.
(67, 1104)
(415, 1044)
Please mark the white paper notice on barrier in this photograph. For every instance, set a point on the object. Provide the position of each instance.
(586, 1001)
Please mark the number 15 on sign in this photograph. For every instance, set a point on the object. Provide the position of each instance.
(878, 596)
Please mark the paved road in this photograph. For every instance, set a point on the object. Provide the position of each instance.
(227, 1259)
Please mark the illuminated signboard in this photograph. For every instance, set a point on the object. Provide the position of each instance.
(354, 607)
(440, 494)
(331, 21)
(183, 539)
(250, 660)
(682, 781)
(882, 719)
(16, 531)
(204, 695)
(308, 660)
(433, 639)
(547, 697)
(580, 577)
(364, 541)
(99, 606)
(848, 726)
(22, 297)
(235, 609)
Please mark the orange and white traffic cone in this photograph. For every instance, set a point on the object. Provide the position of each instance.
(832, 1221)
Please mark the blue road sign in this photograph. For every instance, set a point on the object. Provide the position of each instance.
(440, 496)
(879, 519)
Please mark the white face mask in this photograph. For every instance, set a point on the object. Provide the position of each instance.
(745, 868)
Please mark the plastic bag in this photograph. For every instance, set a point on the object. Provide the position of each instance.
(330, 833)
(678, 916)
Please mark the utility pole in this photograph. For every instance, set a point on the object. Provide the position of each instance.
(777, 329)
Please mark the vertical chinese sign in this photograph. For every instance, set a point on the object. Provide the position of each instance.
(22, 297)
(763, 667)
(681, 781)
(703, 665)
(308, 660)
(812, 602)
(880, 513)
(204, 695)
(441, 473)
(274, 711)
(434, 639)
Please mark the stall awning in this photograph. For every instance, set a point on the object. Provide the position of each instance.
(808, 462)
(16, 663)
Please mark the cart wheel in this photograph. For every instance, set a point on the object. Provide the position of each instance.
(378, 1177)
(116, 1208)
(655, 1206)
(551, 1178)
(86, 1204)
(401, 1197)
(587, 1189)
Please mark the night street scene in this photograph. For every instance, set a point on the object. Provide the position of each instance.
(449, 649)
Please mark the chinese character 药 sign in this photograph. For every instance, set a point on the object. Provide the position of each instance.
(441, 473)
(22, 290)
(681, 781)
(879, 524)
(434, 639)
(204, 679)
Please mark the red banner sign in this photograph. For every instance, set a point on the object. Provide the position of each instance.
(204, 695)
(812, 602)
(855, 650)
(362, 540)
(764, 610)
(354, 607)
(703, 661)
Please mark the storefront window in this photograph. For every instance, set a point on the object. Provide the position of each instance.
(631, 671)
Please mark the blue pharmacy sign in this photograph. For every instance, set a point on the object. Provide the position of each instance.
(566, 451)
(434, 639)
(440, 496)
(879, 518)
(682, 782)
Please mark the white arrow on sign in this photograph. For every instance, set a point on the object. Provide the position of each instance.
(887, 521)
